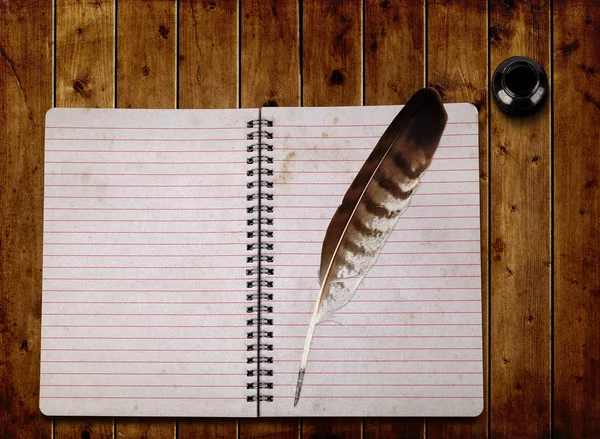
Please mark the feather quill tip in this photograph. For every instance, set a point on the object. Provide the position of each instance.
(299, 385)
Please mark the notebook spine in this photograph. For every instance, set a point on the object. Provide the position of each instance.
(258, 308)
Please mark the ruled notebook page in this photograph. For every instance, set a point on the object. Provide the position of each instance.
(144, 275)
(409, 343)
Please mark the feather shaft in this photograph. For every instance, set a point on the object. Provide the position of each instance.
(378, 196)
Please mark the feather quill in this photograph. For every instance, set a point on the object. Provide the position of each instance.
(378, 196)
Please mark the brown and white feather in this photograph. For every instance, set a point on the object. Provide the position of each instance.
(378, 196)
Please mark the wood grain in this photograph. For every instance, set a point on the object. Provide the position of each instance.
(145, 428)
(208, 54)
(331, 53)
(270, 76)
(85, 50)
(332, 75)
(576, 219)
(146, 78)
(25, 72)
(394, 51)
(394, 69)
(269, 59)
(217, 428)
(83, 428)
(457, 67)
(85, 73)
(281, 428)
(520, 236)
(146, 60)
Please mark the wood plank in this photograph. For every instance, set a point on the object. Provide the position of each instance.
(208, 54)
(146, 78)
(218, 428)
(520, 236)
(394, 56)
(576, 219)
(146, 38)
(273, 428)
(394, 51)
(270, 76)
(145, 428)
(25, 96)
(85, 50)
(332, 75)
(83, 428)
(85, 73)
(457, 66)
(270, 73)
(331, 53)
(208, 78)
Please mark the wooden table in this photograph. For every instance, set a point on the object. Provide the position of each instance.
(539, 175)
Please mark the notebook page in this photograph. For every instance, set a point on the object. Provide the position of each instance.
(144, 271)
(409, 343)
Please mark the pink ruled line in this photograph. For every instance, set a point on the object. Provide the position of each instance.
(125, 139)
(167, 278)
(143, 220)
(148, 185)
(329, 183)
(187, 151)
(142, 373)
(142, 256)
(190, 386)
(146, 291)
(134, 398)
(200, 314)
(365, 149)
(437, 159)
(244, 362)
(145, 338)
(331, 207)
(132, 209)
(148, 350)
(372, 385)
(395, 230)
(146, 197)
(147, 266)
(280, 336)
(389, 240)
(143, 163)
(417, 195)
(354, 172)
(369, 277)
(357, 125)
(185, 386)
(118, 232)
(239, 266)
(144, 362)
(157, 244)
(407, 217)
(379, 397)
(154, 174)
(459, 289)
(382, 253)
(379, 265)
(290, 325)
(148, 128)
(380, 373)
(343, 137)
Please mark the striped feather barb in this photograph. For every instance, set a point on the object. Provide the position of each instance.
(374, 202)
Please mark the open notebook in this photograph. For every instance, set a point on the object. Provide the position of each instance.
(181, 250)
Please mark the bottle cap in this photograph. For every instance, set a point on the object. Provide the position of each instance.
(519, 85)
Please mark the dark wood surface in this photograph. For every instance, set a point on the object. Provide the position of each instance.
(539, 175)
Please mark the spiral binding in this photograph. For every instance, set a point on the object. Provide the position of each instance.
(258, 273)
